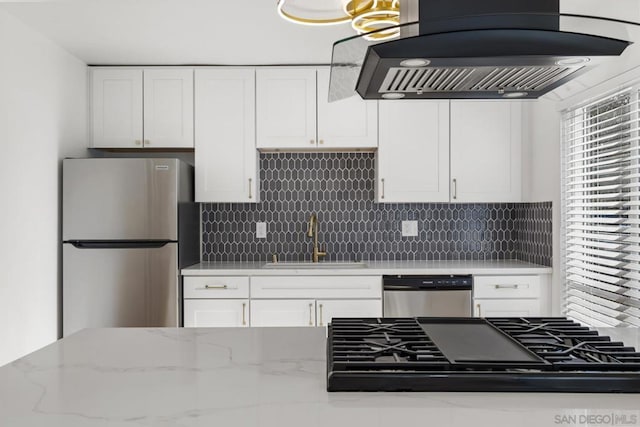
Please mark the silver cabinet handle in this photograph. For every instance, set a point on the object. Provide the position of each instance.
(455, 188)
(310, 314)
(479, 310)
(320, 308)
(382, 182)
(506, 286)
(215, 286)
(244, 309)
(250, 189)
(138, 142)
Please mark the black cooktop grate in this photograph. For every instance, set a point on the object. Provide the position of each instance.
(398, 354)
(383, 343)
(568, 345)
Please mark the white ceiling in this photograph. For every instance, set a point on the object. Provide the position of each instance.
(140, 32)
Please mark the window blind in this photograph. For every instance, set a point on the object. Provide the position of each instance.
(601, 211)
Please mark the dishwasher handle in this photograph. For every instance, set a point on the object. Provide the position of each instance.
(427, 287)
(426, 283)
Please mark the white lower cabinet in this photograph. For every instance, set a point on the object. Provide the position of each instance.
(507, 296)
(283, 313)
(507, 308)
(228, 301)
(310, 312)
(328, 309)
(205, 313)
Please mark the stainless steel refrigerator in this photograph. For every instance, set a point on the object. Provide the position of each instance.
(128, 227)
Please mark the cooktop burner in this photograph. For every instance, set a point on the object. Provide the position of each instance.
(471, 354)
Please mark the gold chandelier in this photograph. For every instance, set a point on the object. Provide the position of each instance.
(365, 16)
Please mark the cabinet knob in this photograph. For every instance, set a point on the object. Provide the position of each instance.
(321, 141)
(138, 142)
(147, 142)
(312, 141)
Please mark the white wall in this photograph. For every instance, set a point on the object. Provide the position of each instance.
(541, 176)
(42, 119)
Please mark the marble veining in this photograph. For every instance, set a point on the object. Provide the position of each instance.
(246, 377)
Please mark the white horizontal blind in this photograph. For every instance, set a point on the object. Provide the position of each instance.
(601, 211)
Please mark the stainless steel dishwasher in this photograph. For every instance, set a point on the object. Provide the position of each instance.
(427, 296)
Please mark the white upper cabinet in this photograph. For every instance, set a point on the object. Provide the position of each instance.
(286, 107)
(486, 141)
(135, 108)
(168, 108)
(225, 147)
(116, 114)
(413, 152)
(349, 123)
(293, 112)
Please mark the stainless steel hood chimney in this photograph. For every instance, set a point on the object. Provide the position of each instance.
(474, 49)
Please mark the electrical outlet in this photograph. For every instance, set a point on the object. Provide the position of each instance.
(261, 230)
(409, 228)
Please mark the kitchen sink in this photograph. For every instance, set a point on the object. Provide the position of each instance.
(294, 265)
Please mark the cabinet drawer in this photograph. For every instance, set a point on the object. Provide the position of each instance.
(215, 313)
(216, 287)
(507, 308)
(506, 286)
(316, 287)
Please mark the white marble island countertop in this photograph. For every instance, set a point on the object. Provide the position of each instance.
(251, 377)
(366, 268)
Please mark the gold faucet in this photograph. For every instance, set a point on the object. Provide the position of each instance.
(312, 231)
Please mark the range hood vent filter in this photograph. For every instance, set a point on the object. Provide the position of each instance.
(472, 79)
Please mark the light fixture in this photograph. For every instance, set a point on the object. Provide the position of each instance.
(573, 61)
(515, 94)
(415, 62)
(393, 95)
(381, 16)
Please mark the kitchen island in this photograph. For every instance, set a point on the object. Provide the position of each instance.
(253, 377)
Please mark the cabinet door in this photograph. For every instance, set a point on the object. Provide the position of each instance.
(486, 139)
(349, 123)
(413, 152)
(207, 313)
(328, 309)
(225, 152)
(116, 108)
(168, 108)
(506, 307)
(286, 107)
(283, 313)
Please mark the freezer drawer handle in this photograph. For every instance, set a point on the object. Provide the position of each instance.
(118, 244)
(215, 286)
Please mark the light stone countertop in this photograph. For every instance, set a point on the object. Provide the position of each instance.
(251, 377)
(373, 268)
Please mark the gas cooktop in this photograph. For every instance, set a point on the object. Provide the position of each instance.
(541, 354)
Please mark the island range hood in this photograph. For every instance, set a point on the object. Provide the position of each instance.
(490, 49)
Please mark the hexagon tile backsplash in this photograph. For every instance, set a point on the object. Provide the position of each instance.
(339, 188)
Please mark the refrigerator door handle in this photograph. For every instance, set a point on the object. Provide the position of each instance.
(117, 244)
